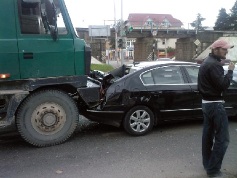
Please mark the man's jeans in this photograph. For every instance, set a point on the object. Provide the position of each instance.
(215, 138)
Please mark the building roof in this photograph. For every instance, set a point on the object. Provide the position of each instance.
(232, 53)
(141, 19)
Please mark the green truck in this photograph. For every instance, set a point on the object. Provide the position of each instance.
(44, 68)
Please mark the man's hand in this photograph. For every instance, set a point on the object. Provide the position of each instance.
(231, 66)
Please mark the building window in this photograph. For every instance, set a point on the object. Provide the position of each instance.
(163, 42)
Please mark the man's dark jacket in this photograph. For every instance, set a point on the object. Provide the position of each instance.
(211, 79)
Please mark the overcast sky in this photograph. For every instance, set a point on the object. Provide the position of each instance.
(101, 12)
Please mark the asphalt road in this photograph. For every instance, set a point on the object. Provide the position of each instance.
(98, 151)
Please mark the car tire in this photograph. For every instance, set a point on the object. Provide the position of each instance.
(138, 121)
(47, 118)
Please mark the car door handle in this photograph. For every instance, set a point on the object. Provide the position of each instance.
(28, 55)
(195, 91)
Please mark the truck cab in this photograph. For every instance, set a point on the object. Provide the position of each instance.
(37, 40)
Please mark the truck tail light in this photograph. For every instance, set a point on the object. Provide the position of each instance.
(3, 76)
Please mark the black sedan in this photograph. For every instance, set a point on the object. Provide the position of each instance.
(162, 92)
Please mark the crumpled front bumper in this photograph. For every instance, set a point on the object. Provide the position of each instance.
(91, 93)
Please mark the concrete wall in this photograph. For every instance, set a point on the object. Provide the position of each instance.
(143, 47)
(185, 49)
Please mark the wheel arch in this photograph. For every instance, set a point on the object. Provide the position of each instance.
(69, 89)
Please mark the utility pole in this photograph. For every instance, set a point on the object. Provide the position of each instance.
(116, 34)
(121, 32)
(122, 10)
(153, 51)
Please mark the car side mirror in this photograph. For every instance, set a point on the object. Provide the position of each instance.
(54, 32)
(52, 19)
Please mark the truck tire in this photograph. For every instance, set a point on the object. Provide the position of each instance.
(47, 118)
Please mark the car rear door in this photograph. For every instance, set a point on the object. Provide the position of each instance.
(171, 95)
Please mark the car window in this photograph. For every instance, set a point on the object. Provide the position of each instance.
(163, 75)
(38, 18)
(168, 75)
(147, 78)
(193, 73)
(234, 75)
(234, 72)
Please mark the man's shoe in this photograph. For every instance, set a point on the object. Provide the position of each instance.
(217, 174)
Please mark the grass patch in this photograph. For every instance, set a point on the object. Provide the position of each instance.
(102, 67)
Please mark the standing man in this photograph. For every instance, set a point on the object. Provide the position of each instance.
(211, 84)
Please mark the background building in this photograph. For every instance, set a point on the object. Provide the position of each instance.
(165, 47)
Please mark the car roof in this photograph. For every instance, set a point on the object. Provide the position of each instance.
(164, 59)
(141, 65)
(148, 63)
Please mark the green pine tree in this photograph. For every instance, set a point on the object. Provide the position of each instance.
(233, 17)
(197, 24)
(223, 20)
